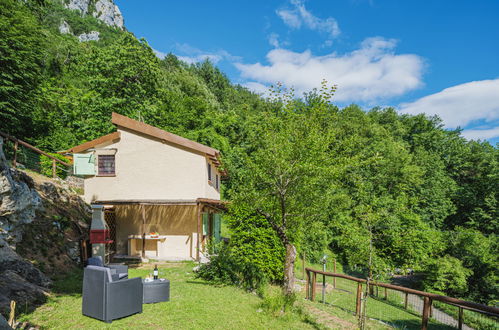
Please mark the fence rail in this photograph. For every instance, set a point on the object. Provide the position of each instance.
(31, 156)
(414, 301)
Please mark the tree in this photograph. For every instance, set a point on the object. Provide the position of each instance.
(285, 177)
(21, 54)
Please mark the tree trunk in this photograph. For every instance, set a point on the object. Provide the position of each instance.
(289, 269)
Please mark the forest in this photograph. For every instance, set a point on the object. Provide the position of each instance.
(379, 190)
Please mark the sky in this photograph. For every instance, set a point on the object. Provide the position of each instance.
(439, 57)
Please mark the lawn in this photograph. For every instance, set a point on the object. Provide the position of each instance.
(194, 304)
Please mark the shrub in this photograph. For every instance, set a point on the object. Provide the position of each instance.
(46, 165)
(275, 302)
(446, 275)
(253, 256)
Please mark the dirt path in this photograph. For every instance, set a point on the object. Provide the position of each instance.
(328, 320)
(417, 305)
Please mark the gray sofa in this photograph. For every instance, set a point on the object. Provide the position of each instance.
(107, 299)
(118, 271)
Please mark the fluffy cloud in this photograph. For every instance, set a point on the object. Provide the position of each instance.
(370, 73)
(299, 16)
(192, 55)
(481, 134)
(462, 105)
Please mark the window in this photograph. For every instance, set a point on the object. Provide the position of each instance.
(106, 165)
(216, 182)
(209, 172)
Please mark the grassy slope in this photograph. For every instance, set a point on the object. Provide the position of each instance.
(340, 302)
(194, 305)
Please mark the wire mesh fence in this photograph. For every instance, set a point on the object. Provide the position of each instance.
(397, 306)
(22, 155)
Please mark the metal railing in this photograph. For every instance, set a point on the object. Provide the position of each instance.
(397, 305)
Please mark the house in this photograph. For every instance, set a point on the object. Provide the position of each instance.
(160, 193)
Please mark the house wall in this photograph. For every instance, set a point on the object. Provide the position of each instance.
(147, 168)
(177, 222)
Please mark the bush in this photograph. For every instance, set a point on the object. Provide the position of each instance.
(253, 256)
(46, 165)
(446, 275)
(275, 302)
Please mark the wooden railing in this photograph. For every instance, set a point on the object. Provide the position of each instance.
(428, 298)
(18, 142)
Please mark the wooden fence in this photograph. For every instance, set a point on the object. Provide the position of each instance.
(17, 143)
(427, 298)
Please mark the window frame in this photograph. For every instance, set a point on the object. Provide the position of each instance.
(99, 168)
(210, 176)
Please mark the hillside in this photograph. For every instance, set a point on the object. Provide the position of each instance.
(41, 225)
(379, 190)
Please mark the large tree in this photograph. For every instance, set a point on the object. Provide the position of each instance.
(285, 176)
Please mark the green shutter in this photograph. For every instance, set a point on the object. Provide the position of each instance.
(217, 224)
(84, 164)
(205, 223)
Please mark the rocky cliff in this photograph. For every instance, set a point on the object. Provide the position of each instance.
(104, 10)
(41, 225)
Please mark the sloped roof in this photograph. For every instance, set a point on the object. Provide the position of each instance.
(143, 128)
(137, 126)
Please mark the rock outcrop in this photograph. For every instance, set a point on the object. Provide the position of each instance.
(64, 28)
(19, 201)
(91, 36)
(104, 10)
(41, 225)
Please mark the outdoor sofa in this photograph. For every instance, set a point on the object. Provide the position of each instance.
(106, 298)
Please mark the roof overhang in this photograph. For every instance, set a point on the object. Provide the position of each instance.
(113, 137)
(216, 203)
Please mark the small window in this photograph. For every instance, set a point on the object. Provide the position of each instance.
(209, 172)
(106, 165)
(216, 182)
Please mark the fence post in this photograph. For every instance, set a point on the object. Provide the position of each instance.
(12, 313)
(14, 159)
(314, 280)
(426, 313)
(359, 299)
(303, 260)
(307, 285)
(460, 322)
(406, 299)
(54, 169)
(334, 271)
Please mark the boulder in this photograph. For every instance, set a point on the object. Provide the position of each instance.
(19, 201)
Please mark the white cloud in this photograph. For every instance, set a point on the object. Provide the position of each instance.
(159, 54)
(299, 16)
(192, 55)
(481, 134)
(274, 40)
(257, 87)
(461, 105)
(370, 73)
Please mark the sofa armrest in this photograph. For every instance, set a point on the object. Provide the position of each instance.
(120, 268)
(124, 298)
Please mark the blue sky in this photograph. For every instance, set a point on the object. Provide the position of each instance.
(438, 57)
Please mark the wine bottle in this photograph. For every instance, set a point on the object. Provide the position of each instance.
(155, 272)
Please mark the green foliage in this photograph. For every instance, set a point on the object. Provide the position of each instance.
(379, 189)
(253, 242)
(21, 55)
(275, 302)
(223, 268)
(46, 165)
(446, 274)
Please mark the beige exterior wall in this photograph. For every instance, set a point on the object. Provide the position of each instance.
(147, 168)
(177, 222)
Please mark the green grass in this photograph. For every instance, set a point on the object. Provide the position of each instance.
(341, 302)
(194, 304)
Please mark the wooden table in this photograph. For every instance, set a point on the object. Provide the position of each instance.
(140, 237)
